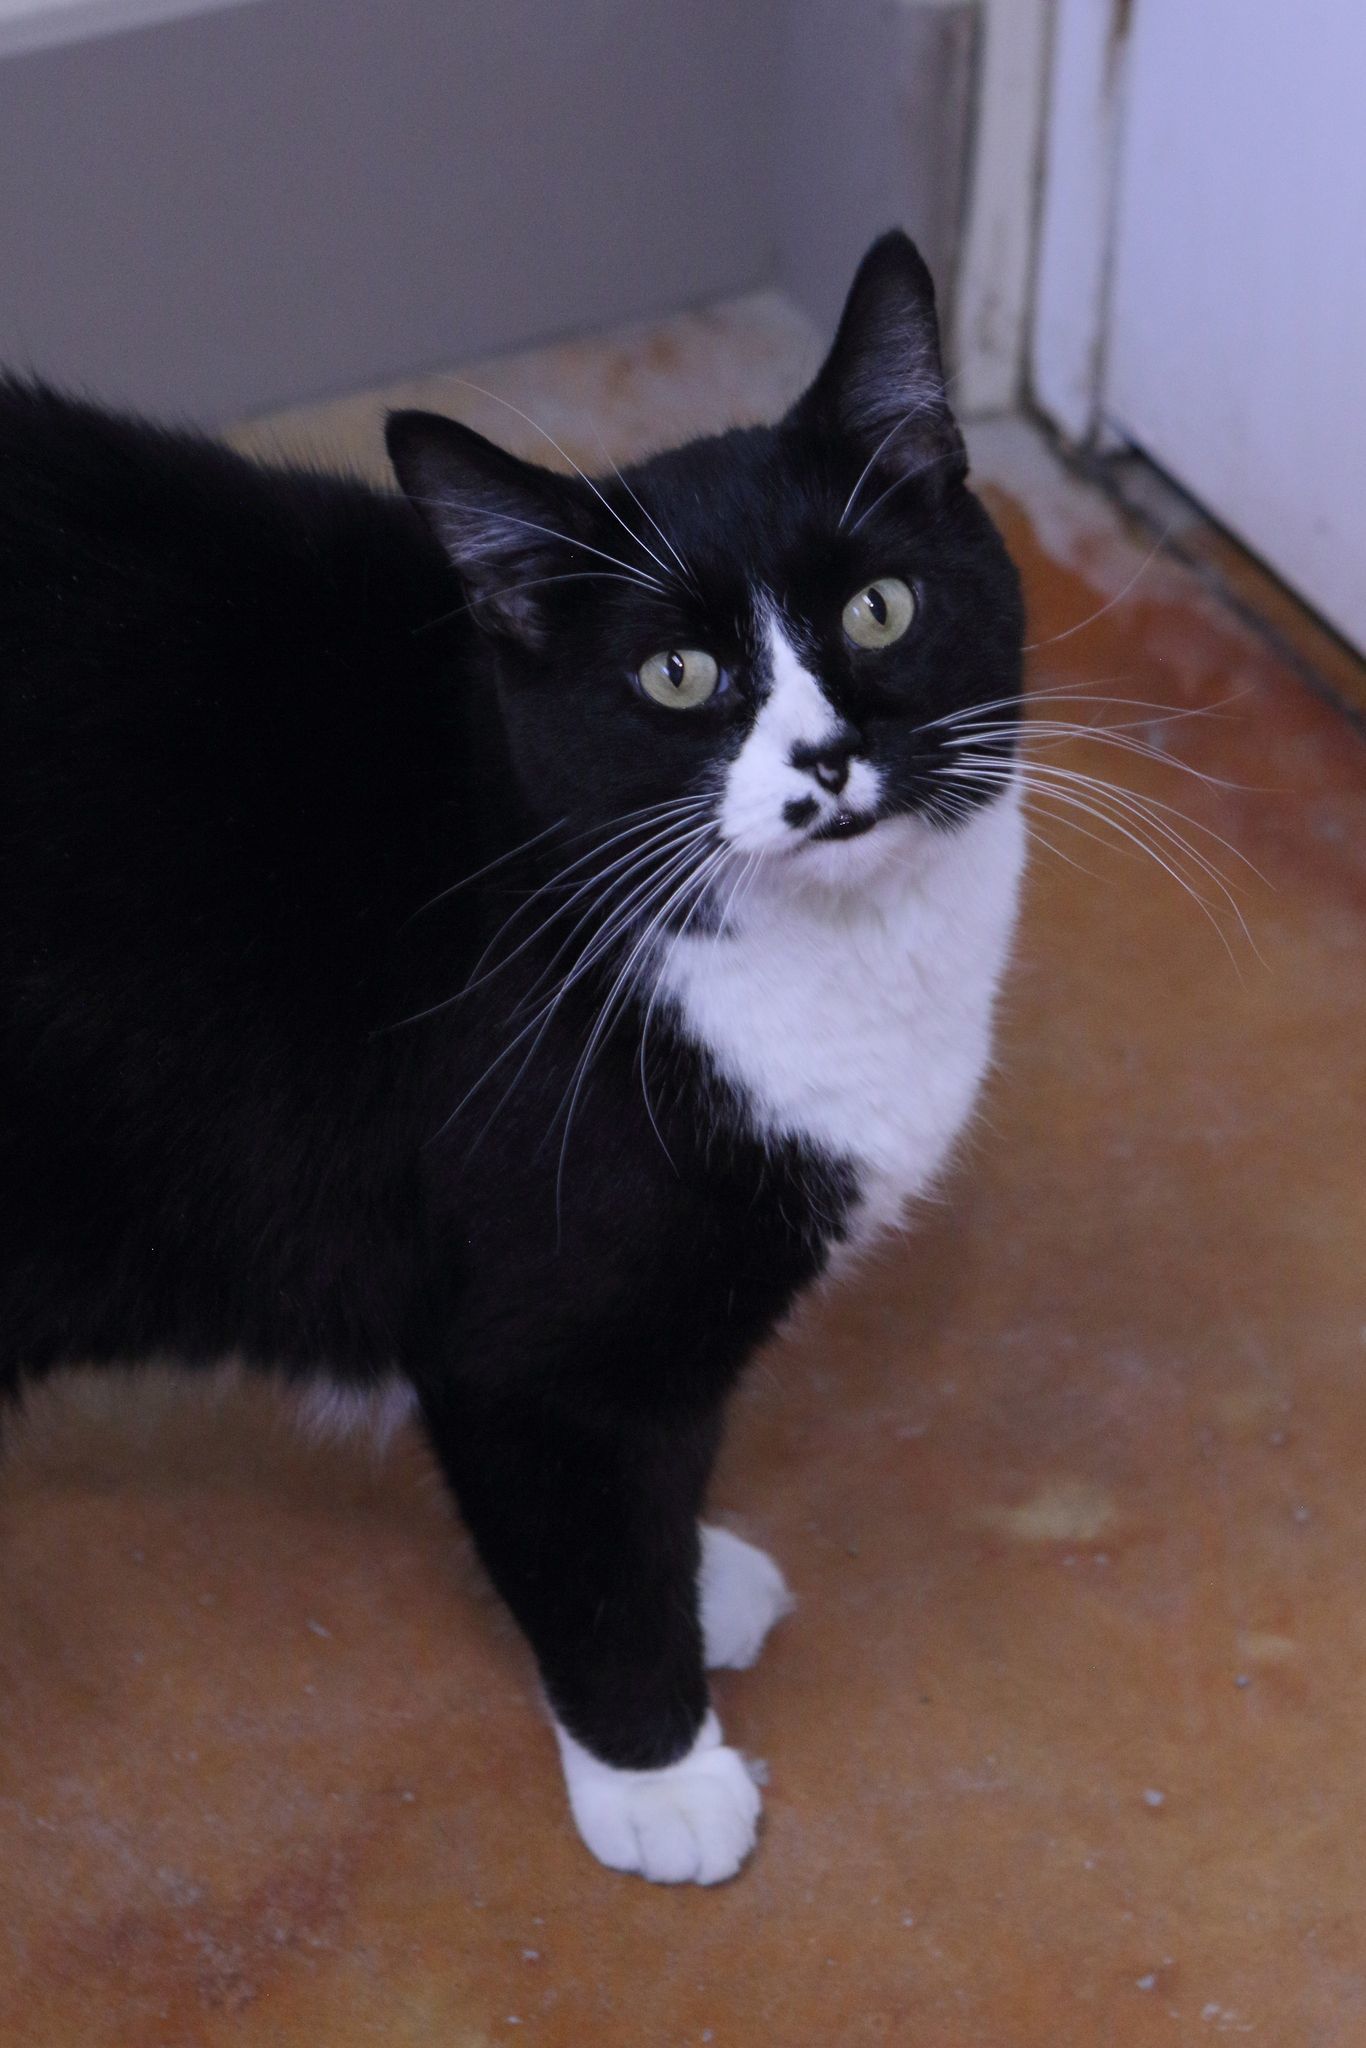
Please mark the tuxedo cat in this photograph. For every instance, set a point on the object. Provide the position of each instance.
(503, 942)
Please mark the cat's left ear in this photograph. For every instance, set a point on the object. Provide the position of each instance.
(507, 525)
(881, 388)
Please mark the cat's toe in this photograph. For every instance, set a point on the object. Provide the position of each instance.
(742, 1594)
(694, 1822)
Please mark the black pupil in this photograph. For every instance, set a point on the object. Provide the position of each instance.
(877, 605)
(675, 668)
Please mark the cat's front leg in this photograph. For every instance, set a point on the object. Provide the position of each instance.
(586, 1520)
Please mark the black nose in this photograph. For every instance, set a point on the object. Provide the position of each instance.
(829, 761)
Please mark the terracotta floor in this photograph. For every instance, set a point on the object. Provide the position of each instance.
(1067, 1737)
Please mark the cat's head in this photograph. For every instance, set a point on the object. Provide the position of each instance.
(774, 630)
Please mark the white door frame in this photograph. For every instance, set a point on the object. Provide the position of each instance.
(990, 319)
(1076, 211)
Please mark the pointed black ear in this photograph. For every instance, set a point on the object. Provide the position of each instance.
(507, 525)
(881, 388)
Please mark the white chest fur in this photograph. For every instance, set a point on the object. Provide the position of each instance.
(860, 1021)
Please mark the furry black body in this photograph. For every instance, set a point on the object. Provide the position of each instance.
(248, 746)
(267, 944)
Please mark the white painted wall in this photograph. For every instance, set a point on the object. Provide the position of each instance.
(1236, 349)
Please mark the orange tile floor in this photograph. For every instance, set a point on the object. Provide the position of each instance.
(1067, 1737)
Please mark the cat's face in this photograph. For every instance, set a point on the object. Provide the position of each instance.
(770, 630)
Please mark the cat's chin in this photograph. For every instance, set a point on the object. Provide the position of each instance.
(890, 847)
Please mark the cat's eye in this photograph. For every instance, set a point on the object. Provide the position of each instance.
(880, 613)
(679, 676)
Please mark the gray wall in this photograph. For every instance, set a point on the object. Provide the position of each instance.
(290, 199)
(873, 116)
(287, 199)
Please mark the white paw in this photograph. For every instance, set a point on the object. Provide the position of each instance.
(693, 1822)
(742, 1593)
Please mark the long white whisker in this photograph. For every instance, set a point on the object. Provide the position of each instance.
(465, 880)
(565, 456)
(606, 1018)
(534, 583)
(622, 912)
(1038, 838)
(1022, 701)
(487, 869)
(1069, 797)
(909, 476)
(636, 500)
(1057, 732)
(912, 413)
(1136, 799)
(660, 830)
(539, 1023)
(1033, 646)
(637, 903)
(1071, 823)
(1058, 783)
(669, 952)
(568, 540)
(632, 861)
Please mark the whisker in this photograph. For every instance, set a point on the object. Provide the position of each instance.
(532, 583)
(1129, 832)
(1038, 838)
(635, 499)
(1126, 826)
(955, 807)
(1084, 693)
(565, 456)
(1154, 551)
(541, 1018)
(1057, 732)
(617, 996)
(912, 413)
(641, 1058)
(568, 540)
(622, 910)
(487, 869)
(909, 476)
(635, 858)
(465, 880)
(539, 1023)
(647, 823)
(1136, 798)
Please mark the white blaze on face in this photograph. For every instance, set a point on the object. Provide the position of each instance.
(763, 778)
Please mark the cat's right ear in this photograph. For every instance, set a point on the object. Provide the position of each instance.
(881, 389)
(507, 525)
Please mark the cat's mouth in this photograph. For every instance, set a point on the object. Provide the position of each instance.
(843, 824)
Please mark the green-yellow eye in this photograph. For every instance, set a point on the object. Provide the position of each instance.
(680, 676)
(880, 613)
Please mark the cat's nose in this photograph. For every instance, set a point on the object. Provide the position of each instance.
(832, 772)
(828, 759)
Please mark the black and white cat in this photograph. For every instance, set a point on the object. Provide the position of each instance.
(503, 943)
